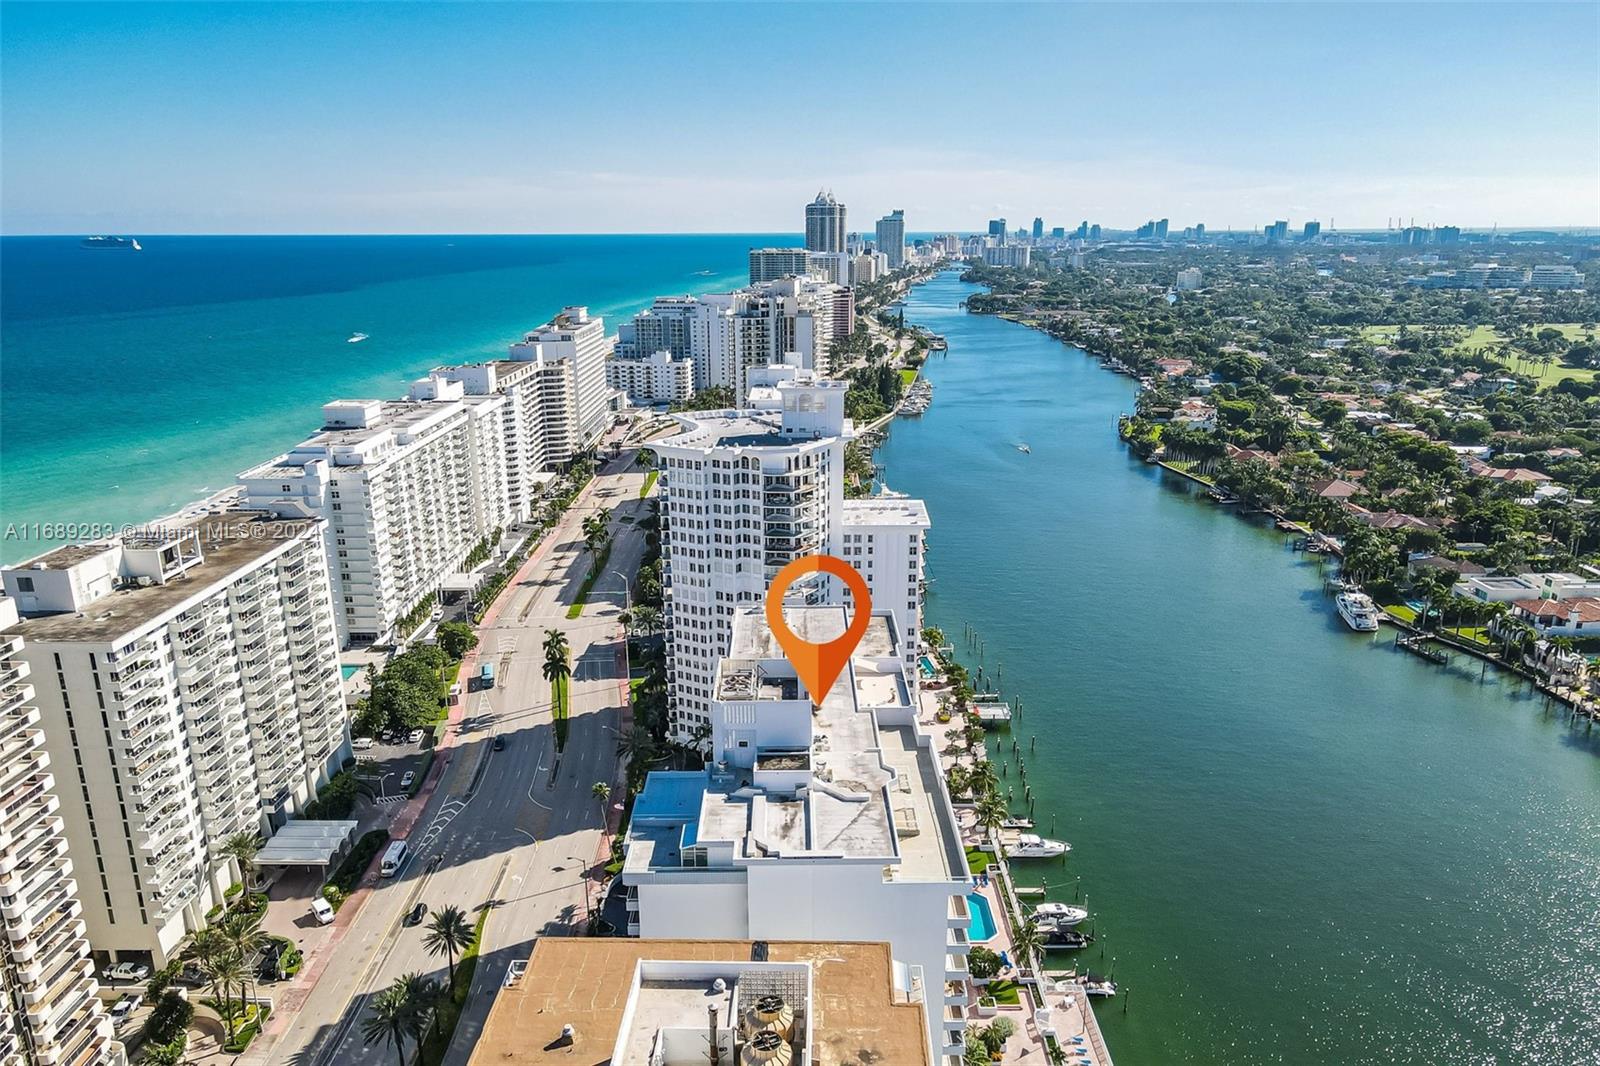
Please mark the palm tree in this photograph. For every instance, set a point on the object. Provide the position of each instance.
(1028, 943)
(992, 811)
(243, 849)
(208, 949)
(602, 794)
(637, 746)
(228, 969)
(242, 931)
(423, 996)
(644, 619)
(555, 645)
(984, 780)
(449, 932)
(391, 1015)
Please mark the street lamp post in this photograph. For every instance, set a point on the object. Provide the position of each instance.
(627, 657)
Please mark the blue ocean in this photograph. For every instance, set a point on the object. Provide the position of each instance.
(132, 383)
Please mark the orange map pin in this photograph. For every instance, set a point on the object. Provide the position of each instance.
(819, 665)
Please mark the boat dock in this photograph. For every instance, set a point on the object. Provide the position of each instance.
(992, 714)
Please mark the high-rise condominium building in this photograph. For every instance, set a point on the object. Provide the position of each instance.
(50, 1013)
(659, 377)
(825, 819)
(188, 680)
(825, 228)
(892, 238)
(577, 344)
(770, 264)
(406, 489)
(744, 493)
(1555, 276)
(1312, 231)
(1038, 228)
(997, 230)
(793, 319)
(1189, 278)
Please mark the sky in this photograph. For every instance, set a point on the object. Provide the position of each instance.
(728, 117)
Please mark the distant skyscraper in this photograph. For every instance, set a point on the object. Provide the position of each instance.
(1200, 231)
(892, 238)
(1083, 228)
(1277, 231)
(1038, 229)
(825, 230)
(1094, 232)
(770, 264)
(1311, 230)
(1058, 232)
(997, 229)
(1161, 230)
(1146, 231)
(1447, 234)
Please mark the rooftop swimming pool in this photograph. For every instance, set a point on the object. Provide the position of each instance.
(981, 924)
(925, 664)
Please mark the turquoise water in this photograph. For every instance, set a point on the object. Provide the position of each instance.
(925, 664)
(349, 671)
(135, 382)
(981, 925)
(1298, 844)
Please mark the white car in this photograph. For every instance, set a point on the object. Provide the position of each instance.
(361, 743)
(405, 782)
(517, 968)
(415, 736)
(125, 1007)
(128, 971)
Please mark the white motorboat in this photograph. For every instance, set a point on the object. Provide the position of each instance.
(1095, 985)
(1059, 915)
(1033, 846)
(1017, 823)
(356, 338)
(1358, 611)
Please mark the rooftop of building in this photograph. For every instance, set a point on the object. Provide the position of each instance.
(857, 1010)
(875, 791)
(884, 510)
(230, 542)
(735, 428)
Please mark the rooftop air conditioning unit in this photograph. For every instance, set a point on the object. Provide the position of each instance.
(766, 1048)
(769, 1013)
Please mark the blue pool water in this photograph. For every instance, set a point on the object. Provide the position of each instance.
(926, 665)
(349, 671)
(981, 925)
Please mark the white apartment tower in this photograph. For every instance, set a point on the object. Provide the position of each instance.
(884, 537)
(395, 484)
(891, 234)
(578, 345)
(659, 377)
(770, 264)
(812, 821)
(50, 1013)
(825, 228)
(743, 493)
(188, 681)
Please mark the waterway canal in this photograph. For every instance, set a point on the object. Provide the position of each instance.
(1300, 845)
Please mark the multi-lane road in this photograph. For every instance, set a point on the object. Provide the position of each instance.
(517, 830)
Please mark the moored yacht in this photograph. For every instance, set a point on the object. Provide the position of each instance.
(1357, 610)
(1034, 846)
(1059, 915)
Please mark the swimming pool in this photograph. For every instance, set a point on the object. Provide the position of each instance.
(981, 925)
(349, 671)
(925, 664)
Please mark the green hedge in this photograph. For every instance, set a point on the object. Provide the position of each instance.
(348, 875)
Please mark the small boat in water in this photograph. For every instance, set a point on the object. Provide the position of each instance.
(1033, 846)
(1017, 823)
(1095, 985)
(1066, 940)
(125, 244)
(1357, 610)
(1024, 449)
(356, 338)
(1059, 915)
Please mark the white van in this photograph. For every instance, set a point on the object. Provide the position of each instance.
(321, 910)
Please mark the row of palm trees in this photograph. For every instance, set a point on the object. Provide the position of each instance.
(409, 1007)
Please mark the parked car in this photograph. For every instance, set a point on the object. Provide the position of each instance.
(415, 736)
(410, 776)
(125, 1007)
(321, 910)
(128, 971)
(499, 743)
(416, 914)
(361, 743)
(517, 968)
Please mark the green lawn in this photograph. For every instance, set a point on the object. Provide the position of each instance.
(649, 483)
(1402, 612)
(588, 583)
(1003, 991)
(1487, 337)
(1475, 634)
(978, 861)
(907, 377)
(559, 709)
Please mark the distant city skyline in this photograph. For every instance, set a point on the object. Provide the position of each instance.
(423, 118)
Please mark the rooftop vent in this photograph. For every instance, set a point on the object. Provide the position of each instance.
(769, 1014)
(766, 1048)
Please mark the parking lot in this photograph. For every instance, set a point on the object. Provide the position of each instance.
(385, 765)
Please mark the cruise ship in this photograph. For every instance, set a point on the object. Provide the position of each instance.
(1358, 611)
(129, 244)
